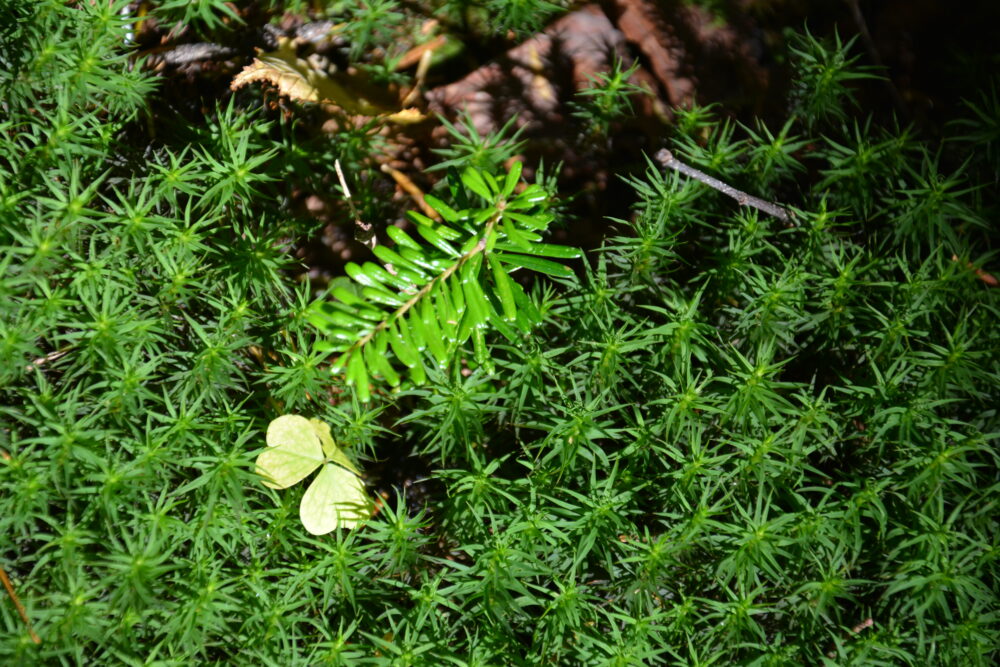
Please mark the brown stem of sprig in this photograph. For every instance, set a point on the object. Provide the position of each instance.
(667, 159)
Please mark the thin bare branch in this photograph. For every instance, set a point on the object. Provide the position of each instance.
(364, 231)
(412, 189)
(20, 607)
(51, 356)
(667, 159)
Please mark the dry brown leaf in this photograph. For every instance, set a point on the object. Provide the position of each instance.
(297, 79)
(289, 81)
(406, 116)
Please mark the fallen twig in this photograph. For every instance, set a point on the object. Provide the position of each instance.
(20, 607)
(411, 188)
(363, 232)
(987, 278)
(667, 159)
(51, 356)
(184, 54)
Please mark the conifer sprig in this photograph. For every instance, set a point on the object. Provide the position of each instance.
(435, 294)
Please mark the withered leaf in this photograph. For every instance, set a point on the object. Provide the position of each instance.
(297, 79)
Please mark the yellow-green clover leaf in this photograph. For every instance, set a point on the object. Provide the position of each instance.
(296, 447)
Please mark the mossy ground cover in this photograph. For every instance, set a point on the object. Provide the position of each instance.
(719, 438)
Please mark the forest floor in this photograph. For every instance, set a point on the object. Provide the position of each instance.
(734, 59)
